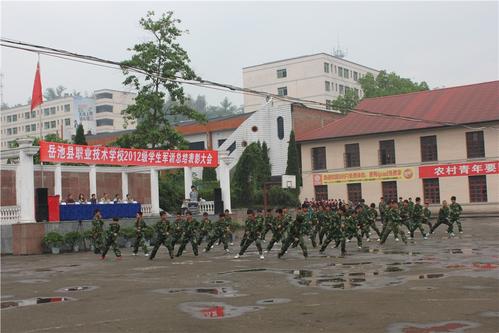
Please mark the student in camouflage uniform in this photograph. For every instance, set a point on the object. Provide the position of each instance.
(371, 217)
(427, 215)
(219, 233)
(297, 230)
(253, 231)
(326, 217)
(354, 226)
(268, 223)
(111, 237)
(306, 229)
(277, 230)
(443, 218)
(163, 230)
(176, 230)
(404, 212)
(97, 232)
(205, 228)
(333, 230)
(314, 226)
(232, 227)
(189, 234)
(382, 209)
(417, 219)
(455, 212)
(140, 228)
(393, 222)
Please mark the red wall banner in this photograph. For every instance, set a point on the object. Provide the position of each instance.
(69, 153)
(461, 169)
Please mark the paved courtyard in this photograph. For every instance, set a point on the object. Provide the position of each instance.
(437, 285)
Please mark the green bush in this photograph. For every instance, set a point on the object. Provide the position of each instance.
(87, 235)
(72, 238)
(128, 232)
(148, 232)
(53, 239)
(281, 197)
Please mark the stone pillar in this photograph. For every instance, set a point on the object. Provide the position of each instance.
(124, 183)
(26, 181)
(224, 174)
(92, 175)
(154, 192)
(58, 180)
(187, 181)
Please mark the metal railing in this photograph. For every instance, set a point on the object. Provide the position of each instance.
(9, 214)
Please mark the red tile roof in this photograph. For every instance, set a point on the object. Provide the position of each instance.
(217, 124)
(457, 105)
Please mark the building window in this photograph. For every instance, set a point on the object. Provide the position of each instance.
(389, 190)
(281, 73)
(67, 108)
(319, 158)
(14, 130)
(14, 117)
(221, 142)
(329, 104)
(326, 67)
(199, 145)
(354, 192)
(346, 74)
(356, 92)
(431, 190)
(105, 122)
(478, 188)
(46, 125)
(280, 128)
(52, 110)
(27, 128)
(342, 89)
(52, 124)
(103, 95)
(282, 91)
(340, 71)
(9, 131)
(474, 144)
(232, 147)
(387, 152)
(352, 155)
(103, 108)
(26, 115)
(320, 192)
(355, 76)
(67, 122)
(335, 69)
(33, 127)
(33, 114)
(46, 111)
(328, 85)
(429, 149)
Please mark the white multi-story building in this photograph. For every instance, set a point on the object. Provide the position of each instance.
(318, 77)
(97, 114)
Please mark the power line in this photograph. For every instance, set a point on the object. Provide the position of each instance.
(96, 61)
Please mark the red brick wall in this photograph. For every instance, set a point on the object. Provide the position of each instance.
(306, 119)
(75, 183)
(109, 183)
(48, 180)
(139, 185)
(8, 186)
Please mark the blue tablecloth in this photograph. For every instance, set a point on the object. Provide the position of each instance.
(73, 212)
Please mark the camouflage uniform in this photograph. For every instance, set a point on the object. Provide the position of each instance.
(417, 220)
(140, 227)
(333, 231)
(189, 235)
(354, 226)
(163, 230)
(427, 217)
(393, 221)
(253, 232)
(382, 209)
(277, 232)
(314, 228)
(455, 212)
(205, 229)
(297, 229)
(97, 234)
(371, 217)
(218, 233)
(268, 222)
(443, 218)
(111, 237)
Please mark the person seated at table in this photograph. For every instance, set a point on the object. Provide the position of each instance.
(70, 199)
(128, 198)
(116, 198)
(81, 198)
(93, 199)
(105, 198)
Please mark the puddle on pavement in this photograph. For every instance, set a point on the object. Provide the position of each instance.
(34, 301)
(490, 314)
(391, 269)
(476, 287)
(218, 282)
(212, 310)
(383, 251)
(446, 326)
(76, 288)
(273, 301)
(216, 292)
(33, 281)
(423, 288)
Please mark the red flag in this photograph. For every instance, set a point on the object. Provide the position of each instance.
(37, 97)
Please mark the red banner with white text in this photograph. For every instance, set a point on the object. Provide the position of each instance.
(460, 169)
(69, 153)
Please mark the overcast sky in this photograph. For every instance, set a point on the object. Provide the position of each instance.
(442, 43)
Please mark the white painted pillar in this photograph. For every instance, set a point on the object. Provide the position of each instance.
(93, 181)
(124, 183)
(224, 172)
(25, 180)
(187, 181)
(58, 180)
(154, 192)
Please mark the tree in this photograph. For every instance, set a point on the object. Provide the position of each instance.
(49, 138)
(79, 138)
(292, 166)
(171, 190)
(51, 93)
(347, 102)
(247, 179)
(226, 108)
(163, 60)
(267, 167)
(389, 84)
(209, 174)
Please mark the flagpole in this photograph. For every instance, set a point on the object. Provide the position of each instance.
(41, 134)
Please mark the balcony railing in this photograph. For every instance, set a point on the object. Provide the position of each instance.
(9, 214)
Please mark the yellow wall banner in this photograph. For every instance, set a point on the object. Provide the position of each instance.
(359, 176)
